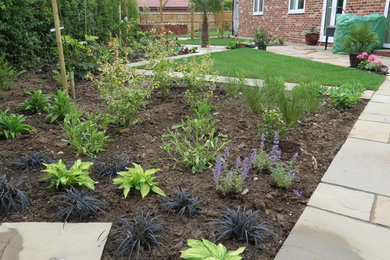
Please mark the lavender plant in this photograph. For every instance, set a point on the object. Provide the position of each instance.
(261, 161)
(228, 179)
(284, 175)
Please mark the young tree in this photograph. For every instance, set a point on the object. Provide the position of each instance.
(206, 6)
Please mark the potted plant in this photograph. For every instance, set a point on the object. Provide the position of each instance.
(370, 63)
(311, 37)
(261, 38)
(359, 39)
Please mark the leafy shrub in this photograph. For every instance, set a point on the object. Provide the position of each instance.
(136, 233)
(77, 204)
(205, 249)
(184, 204)
(284, 175)
(347, 95)
(58, 174)
(37, 102)
(120, 88)
(139, 179)
(61, 106)
(240, 225)
(11, 198)
(229, 180)
(12, 126)
(7, 74)
(84, 134)
(114, 166)
(261, 161)
(272, 122)
(193, 143)
(28, 162)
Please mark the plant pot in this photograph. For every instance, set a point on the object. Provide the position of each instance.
(240, 45)
(262, 47)
(353, 60)
(312, 38)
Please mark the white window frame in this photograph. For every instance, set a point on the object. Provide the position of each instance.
(296, 10)
(258, 12)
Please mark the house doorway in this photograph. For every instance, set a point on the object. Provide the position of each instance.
(387, 14)
(330, 9)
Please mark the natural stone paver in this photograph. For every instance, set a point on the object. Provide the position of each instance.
(381, 211)
(344, 201)
(363, 165)
(368, 94)
(375, 118)
(374, 131)
(319, 234)
(39, 240)
(381, 99)
(377, 108)
(383, 91)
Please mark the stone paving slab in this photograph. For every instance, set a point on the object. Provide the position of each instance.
(363, 165)
(342, 200)
(375, 117)
(381, 211)
(381, 99)
(44, 241)
(368, 130)
(319, 234)
(378, 108)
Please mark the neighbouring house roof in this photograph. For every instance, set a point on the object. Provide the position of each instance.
(171, 4)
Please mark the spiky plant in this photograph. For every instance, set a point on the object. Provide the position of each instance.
(240, 225)
(31, 161)
(77, 204)
(360, 38)
(11, 198)
(118, 164)
(184, 204)
(136, 233)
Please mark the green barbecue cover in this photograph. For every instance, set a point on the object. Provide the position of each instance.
(344, 21)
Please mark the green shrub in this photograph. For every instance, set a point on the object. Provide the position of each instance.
(193, 143)
(7, 74)
(84, 134)
(346, 96)
(12, 126)
(272, 122)
(139, 179)
(284, 175)
(202, 250)
(61, 106)
(37, 102)
(58, 174)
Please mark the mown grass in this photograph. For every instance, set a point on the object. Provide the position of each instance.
(212, 41)
(258, 64)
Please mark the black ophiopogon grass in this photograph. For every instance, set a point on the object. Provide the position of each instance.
(240, 225)
(77, 204)
(29, 162)
(11, 198)
(184, 204)
(136, 233)
(119, 163)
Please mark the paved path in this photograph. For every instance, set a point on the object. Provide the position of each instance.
(348, 215)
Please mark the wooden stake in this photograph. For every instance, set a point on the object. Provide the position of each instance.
(126, 6)
(222, 21)
(120, 20)
(59, 45)
(72, 85)
(192, 24)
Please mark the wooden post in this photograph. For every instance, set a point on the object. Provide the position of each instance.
(72, 85)
(120, 20)
(59, 45)
(85, 17)
(126, 6)
(222, 21)
(192, 24)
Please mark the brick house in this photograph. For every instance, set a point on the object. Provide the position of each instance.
(288, 19)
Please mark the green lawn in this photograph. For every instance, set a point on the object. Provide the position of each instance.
(212, 41)
(213, 32)
(257, 64)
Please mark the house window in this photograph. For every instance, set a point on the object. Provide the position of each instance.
(258, 7)
(296, 6)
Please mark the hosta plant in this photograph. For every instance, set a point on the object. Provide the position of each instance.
(11, 198)
(31, 161)
(184, 204)
(61, 106)
(203, 250)
(346, 96)
(37, 102)
(77, 204)
(139, 179)
(244, 226)
(59, 175)
(136, 233)
(11, 125)
(119, 163)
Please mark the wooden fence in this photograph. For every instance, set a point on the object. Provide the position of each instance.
(185, 18)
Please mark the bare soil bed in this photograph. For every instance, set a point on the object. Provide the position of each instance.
(317, 139)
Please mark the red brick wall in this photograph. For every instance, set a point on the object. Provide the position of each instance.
(290, 27)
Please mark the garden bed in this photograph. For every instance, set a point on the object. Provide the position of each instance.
(317, 139)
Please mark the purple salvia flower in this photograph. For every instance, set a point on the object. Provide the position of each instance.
(262, 138)
(253, 156)
(217, 169)
(276, 138)
(297, 192)
(226, 156)
(291, 173)
(245, 168)
(274, 155)
(238, 162)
